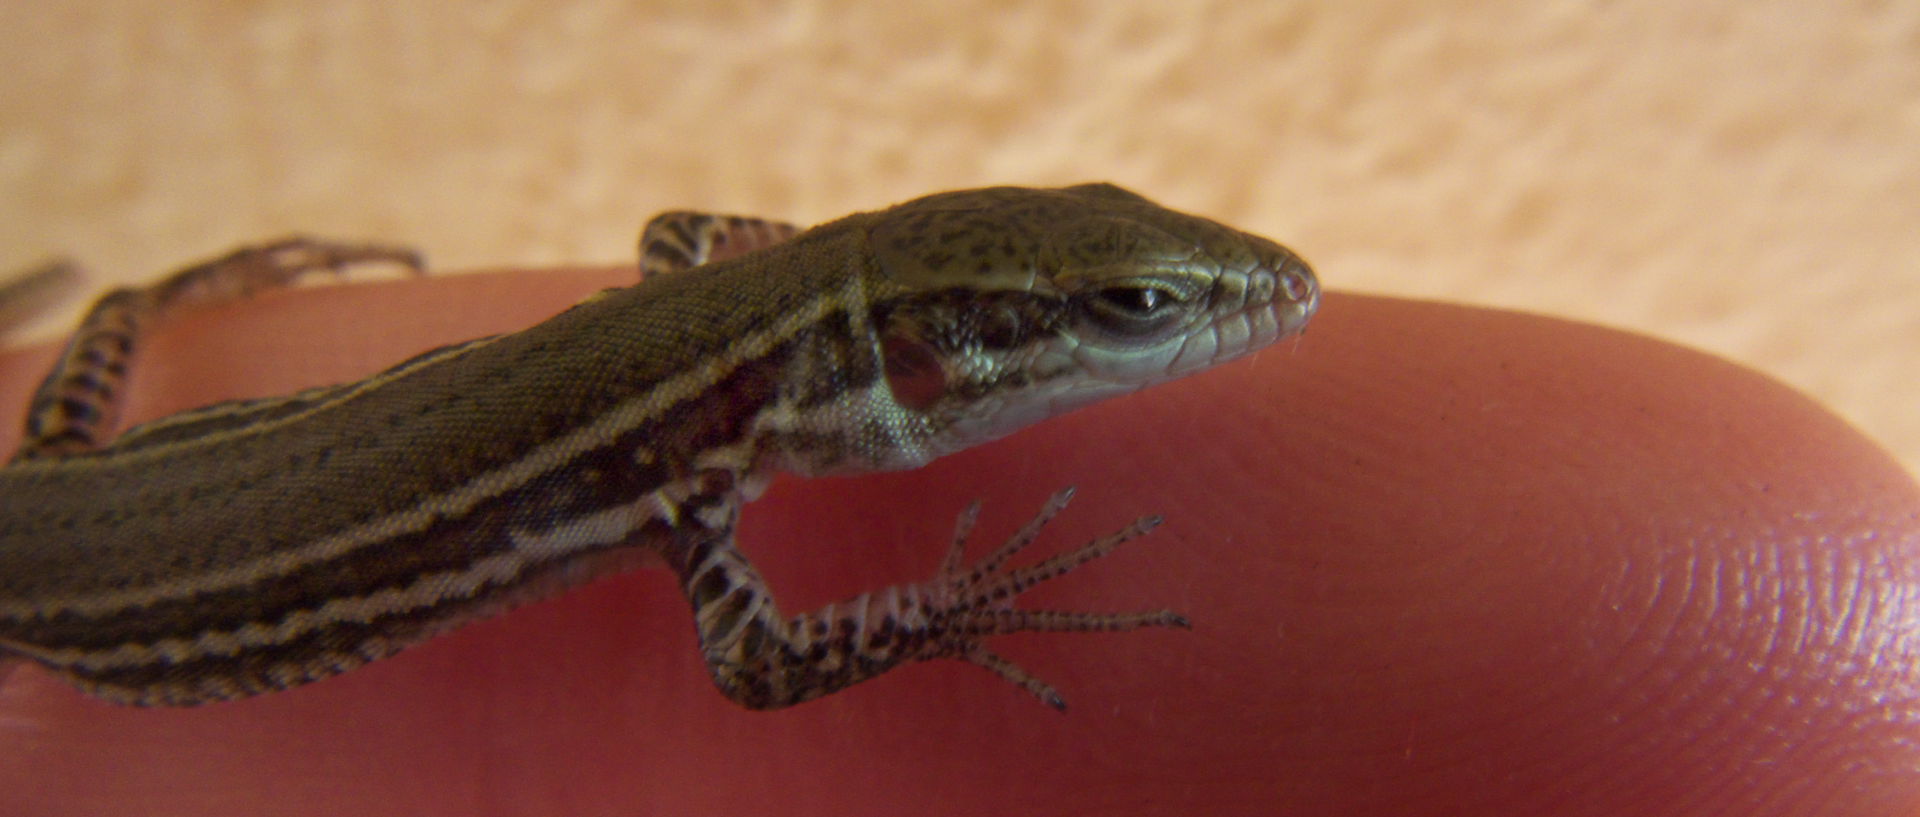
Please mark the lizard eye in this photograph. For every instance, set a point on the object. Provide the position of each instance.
(1132, 310)
(1137, 301)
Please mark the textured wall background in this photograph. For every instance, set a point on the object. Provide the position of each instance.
(1739, 176)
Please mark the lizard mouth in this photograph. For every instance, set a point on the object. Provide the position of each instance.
(1251, 309)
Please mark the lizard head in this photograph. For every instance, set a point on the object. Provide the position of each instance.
(999, 307)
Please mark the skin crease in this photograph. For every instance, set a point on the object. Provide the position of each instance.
(1439, 560)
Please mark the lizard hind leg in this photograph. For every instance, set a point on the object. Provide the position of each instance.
(77, 404)
(763, 661)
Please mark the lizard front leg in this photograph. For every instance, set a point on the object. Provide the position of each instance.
(683, 239)
(763, 660)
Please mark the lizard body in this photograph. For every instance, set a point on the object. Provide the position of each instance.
(256, 545)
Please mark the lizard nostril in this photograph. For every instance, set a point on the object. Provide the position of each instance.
(1296, 282)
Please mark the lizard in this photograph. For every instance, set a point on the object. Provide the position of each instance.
(256, 545)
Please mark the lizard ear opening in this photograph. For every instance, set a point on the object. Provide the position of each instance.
(913, 371)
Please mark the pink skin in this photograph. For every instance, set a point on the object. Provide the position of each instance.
(1439, 560)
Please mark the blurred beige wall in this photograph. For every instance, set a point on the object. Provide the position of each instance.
(1739, 176)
